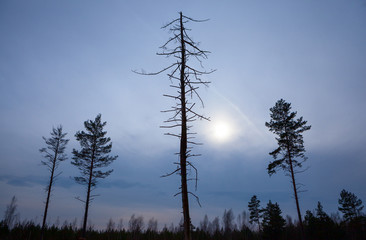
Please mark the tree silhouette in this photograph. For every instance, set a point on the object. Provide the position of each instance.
(349, 205)
(111, 225)
(320, 214)
(186, 79)
(54, 155)
(152, 225)
(290, 152)
(11, 215)
(255, 211)
(320, 226)
(273, 222)
(204, 224)
(228, 221)
(214, 226)
(92, 156)
(136, 224)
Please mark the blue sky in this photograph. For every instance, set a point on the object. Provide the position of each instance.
(64, 62)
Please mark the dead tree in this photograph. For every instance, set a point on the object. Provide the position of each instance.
(54, 155)
(186, 79)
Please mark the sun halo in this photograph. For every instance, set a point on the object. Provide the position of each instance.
(222, 131)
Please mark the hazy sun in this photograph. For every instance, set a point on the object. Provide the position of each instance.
(222, 131)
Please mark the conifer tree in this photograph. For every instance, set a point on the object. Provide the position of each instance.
(54, 154)
(273, 222)
(255, 211)
(320, 214)
(290, 152)
(350, 205)
(91, 158)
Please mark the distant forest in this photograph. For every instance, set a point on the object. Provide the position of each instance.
(258, 223)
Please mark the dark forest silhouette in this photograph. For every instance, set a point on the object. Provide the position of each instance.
(317, 225)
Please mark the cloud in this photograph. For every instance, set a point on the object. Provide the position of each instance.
(27, 181)
(122, 184)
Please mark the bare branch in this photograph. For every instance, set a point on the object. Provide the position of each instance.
(195, 20)
(78, 198)
(155, 73)
(173, 126)
(169, 174)
(170, 23)
(174, 135)
(197, 198)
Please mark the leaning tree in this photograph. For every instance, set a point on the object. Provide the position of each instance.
(54, 155)
(91, 158)
(290, 152)
(185, 79)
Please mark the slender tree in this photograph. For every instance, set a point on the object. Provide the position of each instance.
(350, 205)
(290, 152)
(228, 221)
(152, 225)
(255, 211)
(214, 226)
(54, 154)
(92, 156)
(111, 225)
(186, 79)
(204, 224)
(11, 215)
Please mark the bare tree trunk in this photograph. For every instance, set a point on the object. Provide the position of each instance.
(88, 197)
(295, 193)
(49, 193)
(183, 140)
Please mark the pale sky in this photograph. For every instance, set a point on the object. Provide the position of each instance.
(64, 62)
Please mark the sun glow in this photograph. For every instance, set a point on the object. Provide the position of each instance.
(222, 131)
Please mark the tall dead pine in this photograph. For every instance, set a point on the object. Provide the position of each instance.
(186, 79)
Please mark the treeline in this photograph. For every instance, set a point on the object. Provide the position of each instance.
(259, 223)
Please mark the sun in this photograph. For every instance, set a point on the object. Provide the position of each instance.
(222, 131)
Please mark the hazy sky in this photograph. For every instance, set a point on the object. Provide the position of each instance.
(63, 62)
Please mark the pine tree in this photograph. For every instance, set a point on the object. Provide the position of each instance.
(320, 214)
(290, 152)
(186, 80)
(92, 156)
(255, 211)
(54, 155)
(319, 226)
(273, 222)
(349, 205)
